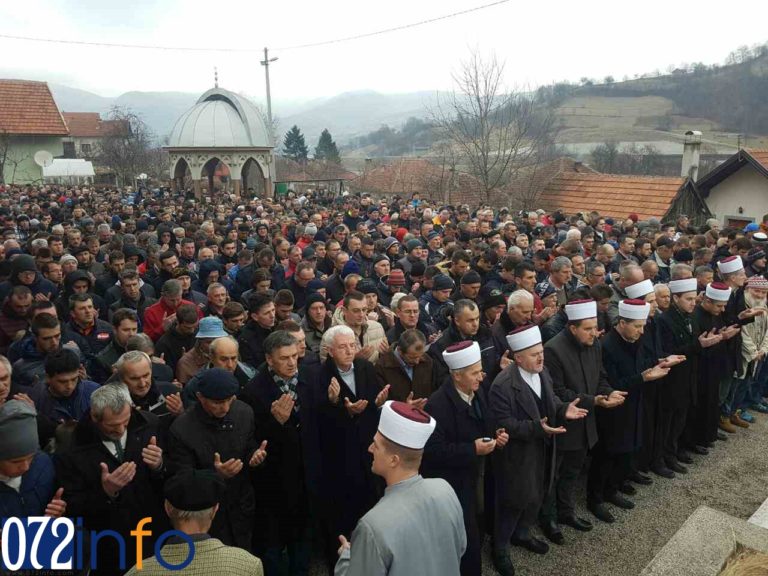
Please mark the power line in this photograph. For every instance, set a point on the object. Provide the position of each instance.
(394, 29)
(248, 50)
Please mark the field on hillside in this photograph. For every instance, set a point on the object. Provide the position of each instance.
(588, 120)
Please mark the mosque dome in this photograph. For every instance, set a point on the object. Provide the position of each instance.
(220, 119)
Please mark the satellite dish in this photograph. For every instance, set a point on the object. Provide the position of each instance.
(43, 158)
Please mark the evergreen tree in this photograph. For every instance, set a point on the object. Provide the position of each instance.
(326, 148)
(294, 146)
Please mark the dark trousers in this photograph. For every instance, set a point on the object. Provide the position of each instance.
(561, 500)
(653, 439)
(296, 563)
(471, 563)
(673, 426)
(607, 472)
(511, 521)
(707, 412)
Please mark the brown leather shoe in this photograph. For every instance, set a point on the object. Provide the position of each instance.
(737, 421)
(726, 426)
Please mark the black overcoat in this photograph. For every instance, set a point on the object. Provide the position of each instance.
(524, 469)
(680, 335)
(620, 428)
(347, 482)
(280, 481)
(194, 438)
(78, 471)
(577, 372)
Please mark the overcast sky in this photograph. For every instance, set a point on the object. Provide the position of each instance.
(540, 41)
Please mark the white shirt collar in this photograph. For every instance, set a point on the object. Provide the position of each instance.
(13, 483)
(533, 380)
(466, 397)
(110, 444)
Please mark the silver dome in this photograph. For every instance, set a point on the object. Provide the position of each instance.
(220, 119)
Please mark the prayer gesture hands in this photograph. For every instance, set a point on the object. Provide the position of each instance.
(228, 469)
(614, 399)
(282, 408)
(707, 339)
(152, 454)
(417, 403)
(113, 482)
(382, 396)
(259, 455)
(333, 391)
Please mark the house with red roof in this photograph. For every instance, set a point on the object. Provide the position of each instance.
(736, 191)
(86, 131)
(30, 122)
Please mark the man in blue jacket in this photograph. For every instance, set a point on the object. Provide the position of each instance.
(27, 477)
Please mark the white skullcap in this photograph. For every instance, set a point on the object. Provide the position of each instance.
(461, 355)
(718, 291)
(581, 310)
(640, 289)
(682, 286)
(730, 264)
(634, 309)
(523, 338)
(405, 425)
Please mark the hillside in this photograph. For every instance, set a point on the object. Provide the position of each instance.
(721, 101)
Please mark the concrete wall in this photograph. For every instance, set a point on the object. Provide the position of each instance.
(746, 188)
(20, 167)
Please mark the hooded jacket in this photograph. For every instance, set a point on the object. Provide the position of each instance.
(40, 285)
(62, 303)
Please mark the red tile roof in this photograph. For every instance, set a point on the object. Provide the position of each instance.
(408, 176)
(759, 155)
(83, 124)
(28, 107)
(611, 195)
(291, 171)
(90, 125)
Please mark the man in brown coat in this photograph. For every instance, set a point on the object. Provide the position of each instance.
(407, 369)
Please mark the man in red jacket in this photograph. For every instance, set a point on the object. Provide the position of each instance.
(159, 317)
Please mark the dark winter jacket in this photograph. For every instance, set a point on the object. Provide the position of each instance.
(79, 473)
(577, 372)
(40, 285)
(194, 438)
(38, 485)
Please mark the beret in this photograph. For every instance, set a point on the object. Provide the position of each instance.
(193, 490)
(218, 384)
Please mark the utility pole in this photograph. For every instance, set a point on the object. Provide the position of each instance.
(265, 63)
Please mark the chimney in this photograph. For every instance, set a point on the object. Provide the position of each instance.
(691, 151)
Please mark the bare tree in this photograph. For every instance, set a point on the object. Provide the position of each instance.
(5, 148)
(11, 158)
(496, 131)
(126, 149)
(443, 181)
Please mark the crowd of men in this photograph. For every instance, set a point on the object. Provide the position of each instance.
(280, 375)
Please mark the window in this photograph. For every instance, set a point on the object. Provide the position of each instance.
(69, 150)
(85, 149)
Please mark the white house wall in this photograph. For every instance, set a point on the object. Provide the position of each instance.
(745, 188)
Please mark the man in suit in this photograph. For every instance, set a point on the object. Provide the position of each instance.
(523, 404)
(347, 420)
(574, 360)
(629, 366)
(283, 411)
(463, 437)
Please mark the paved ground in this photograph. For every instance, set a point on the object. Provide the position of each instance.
(732, 479)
